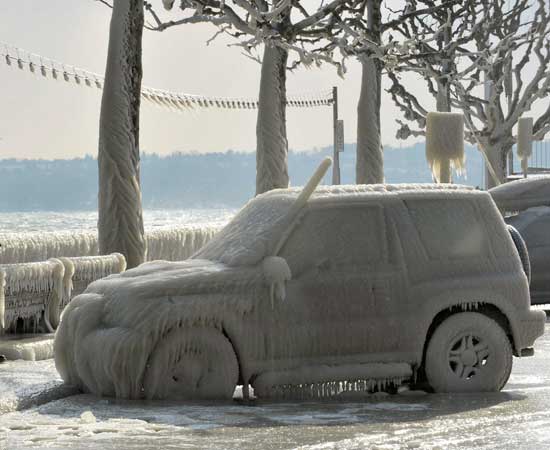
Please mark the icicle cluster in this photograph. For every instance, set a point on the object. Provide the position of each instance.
(81, 271)
(330, 381)
(175, 101)
(177, 244)
(32, 247)
(330, 389)
(33, 293)
(171, 244)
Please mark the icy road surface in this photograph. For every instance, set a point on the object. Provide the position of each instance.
(517, 418)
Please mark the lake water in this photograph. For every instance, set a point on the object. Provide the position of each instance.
(45, 221)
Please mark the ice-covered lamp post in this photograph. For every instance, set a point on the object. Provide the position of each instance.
(445, 144)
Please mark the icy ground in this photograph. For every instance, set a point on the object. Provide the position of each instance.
(517, 418)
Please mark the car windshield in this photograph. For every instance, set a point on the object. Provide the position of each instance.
(248, 238)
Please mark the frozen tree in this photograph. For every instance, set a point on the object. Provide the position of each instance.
(120, 224)
(368, 30)
(495, 71)
(277, 26)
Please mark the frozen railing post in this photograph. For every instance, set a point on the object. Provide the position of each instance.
(525, 142)
(445, 144)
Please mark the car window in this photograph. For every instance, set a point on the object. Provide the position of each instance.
(343, 236)
(449, 229)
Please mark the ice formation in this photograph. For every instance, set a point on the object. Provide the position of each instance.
(445, 144)
(177, 244)
(272, 143)
(34, 247)
(170, 244)
(81, 271)
(33, 294)
(36, 348)
(120, 221)
(366, 271)
(370, 163)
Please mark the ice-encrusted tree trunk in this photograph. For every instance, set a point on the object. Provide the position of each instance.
(369, 166)
(509, 50)
(361, 31)
(120, 224)
(279, 26)
(272, 144)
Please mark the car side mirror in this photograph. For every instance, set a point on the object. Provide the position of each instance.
(276, 273)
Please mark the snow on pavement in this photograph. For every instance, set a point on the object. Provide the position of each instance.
(27, 383)
(517, 418)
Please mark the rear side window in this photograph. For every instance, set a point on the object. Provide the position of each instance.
(342, 235)
(449, 228)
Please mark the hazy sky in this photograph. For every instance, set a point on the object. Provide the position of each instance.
(53, 119)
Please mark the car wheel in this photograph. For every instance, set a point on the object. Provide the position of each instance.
(191, 363)
(468, 352)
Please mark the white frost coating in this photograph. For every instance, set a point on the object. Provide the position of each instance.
(445, 144)
(329, 380)
(521, 194)
(81, 271)
(122, 336)
(370, 163)
(272, 144)
(276, 273)
(29, 349)
(34, 247)
(32, 290)
(120, 221)
(177, 244)
(171, 244)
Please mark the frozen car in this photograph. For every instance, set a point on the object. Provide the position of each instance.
(356, 287)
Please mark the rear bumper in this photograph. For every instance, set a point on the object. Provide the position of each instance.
(530, 326)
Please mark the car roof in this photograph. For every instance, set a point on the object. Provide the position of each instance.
(326, 193)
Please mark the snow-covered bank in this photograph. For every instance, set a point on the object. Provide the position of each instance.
(171, 244)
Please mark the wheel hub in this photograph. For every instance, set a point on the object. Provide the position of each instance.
(467, 356)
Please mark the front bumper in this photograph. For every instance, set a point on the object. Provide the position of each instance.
(530, 326)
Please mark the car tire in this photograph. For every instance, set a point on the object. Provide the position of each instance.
(468, 352)
(521, 247)
(191, 363)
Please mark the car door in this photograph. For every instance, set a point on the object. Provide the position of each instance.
(341, 284)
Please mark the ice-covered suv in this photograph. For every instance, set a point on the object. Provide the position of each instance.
(350, 289)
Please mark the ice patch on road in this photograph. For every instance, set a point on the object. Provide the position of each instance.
(27, 383)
